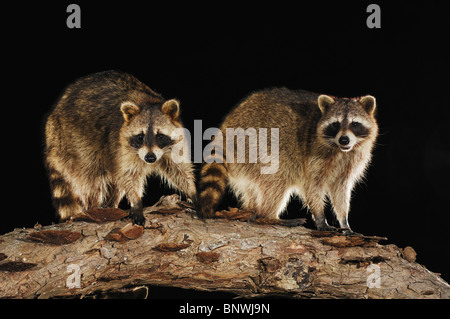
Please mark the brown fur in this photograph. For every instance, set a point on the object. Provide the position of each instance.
(311, 164)
(88, 154)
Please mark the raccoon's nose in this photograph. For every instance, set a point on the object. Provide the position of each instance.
(150, 158)
(344, 140)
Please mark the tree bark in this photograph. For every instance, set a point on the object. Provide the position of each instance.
(176, 249)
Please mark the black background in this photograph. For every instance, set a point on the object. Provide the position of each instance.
(210, 56)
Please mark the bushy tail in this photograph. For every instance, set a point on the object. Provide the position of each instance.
(212, 185)
(64, 201)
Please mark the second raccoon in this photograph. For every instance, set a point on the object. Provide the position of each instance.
(325, 145)
(106, 134)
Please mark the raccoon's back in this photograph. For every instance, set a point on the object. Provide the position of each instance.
(294, 113)
(98, 96)
(88, 111)
(276, 107)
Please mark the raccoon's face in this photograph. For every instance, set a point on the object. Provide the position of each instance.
(149, 131)
(347, 123)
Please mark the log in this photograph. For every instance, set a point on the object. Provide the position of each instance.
(97, 255)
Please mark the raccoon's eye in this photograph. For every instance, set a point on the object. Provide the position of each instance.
(136, 141)
(336, 125)
(160, 136)
(332, 129)
(163, 140)
(359, 129)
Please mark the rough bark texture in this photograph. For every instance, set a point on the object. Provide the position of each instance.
(177, 249)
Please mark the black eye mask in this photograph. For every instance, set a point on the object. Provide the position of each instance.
(137, 141)
(163, 140)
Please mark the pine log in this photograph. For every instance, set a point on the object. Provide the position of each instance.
(176, 249)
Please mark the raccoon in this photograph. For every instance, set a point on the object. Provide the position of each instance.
(107, 132)
(325, 145)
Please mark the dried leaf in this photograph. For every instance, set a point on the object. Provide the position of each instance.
(131, 231)
(128, 232)
(102, 215)
(55, 237)
(170, 247)
(208, 257)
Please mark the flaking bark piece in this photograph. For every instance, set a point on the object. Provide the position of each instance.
(170, 247)
(208, 257)
(15, 266)
(128, 232)
(102, 215)
(55, 237)
(167, 211)
(235, 214)
(185, 205)
(340, 240)
(293, 222)
(267, 221)
(171, 204)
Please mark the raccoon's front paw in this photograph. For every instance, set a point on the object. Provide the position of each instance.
(137, 216)
(326, 227)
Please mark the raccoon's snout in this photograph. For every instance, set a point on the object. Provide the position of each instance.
(150, 158)
(150, 155)
(344, 140)
(345, 143)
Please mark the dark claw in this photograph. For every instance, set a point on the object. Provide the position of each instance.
(137, 216)
(322, 225)
(139, 220)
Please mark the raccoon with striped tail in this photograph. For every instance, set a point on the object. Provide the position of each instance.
(107, 132)
(325, 145)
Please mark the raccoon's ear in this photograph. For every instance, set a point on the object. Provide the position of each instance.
(324, 102)
(129, 109)
(368, 102)
(171, 108)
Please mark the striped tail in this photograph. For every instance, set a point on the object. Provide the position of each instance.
(212, 184)
(64, 201)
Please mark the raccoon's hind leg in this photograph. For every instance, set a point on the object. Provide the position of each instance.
(65, 202)
(266, 198)
(113, 199)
